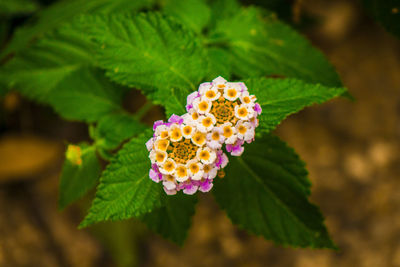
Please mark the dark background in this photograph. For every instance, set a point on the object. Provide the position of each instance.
(352, 150)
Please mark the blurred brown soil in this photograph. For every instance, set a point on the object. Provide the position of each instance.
(352, 150)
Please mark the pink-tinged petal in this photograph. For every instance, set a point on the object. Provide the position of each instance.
(222, 160)
(229, 147)
(169, 185)
(189, 107)
(155, 174)
(214, 144)
(149, 144)
(190, 189)
(157, 123)
(190, 98)
(237, 151)
(206, 186)
(257, 108)
(170, 192)
(175, 119)
(242, 87)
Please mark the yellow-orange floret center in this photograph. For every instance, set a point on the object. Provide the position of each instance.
(176, 134)
(160, 157)
(215, 136)
(164, 134)
(181, 171)
(182, 151)
(187, 129)
(199, 138)
(169, 166)
(246, 100)
(162, 144)
(206, 168)
(207, 122)
(203, 106)
(194, 167)
(242, 112)
(169, 178)
(231, 92)
(195, 116)
(204, 155)
(227, 131)
(210, 94)
(224, 111)
(242, 129)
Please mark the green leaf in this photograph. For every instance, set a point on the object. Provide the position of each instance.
(281, 97)
(265, 192)
(172, 221)
(38, 70)
(194, 14)
(17, 7)
(125, 188)
(112, 129)
(87, 95)
(218, 63)
(150, 52)
(261, 45)
(76, 179)
(63, 12)
(56, 71)
(387, 13)
(222, 9)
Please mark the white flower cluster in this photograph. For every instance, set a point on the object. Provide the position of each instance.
(186, 152)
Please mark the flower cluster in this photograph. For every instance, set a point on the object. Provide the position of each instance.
(186, 152)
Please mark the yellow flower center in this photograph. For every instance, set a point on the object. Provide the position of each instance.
(194, 168)
(220, 86)
(231, 92)
(164, 134)
(242, 112)
(176, 134)
(203, 105)
(206, 168)
(195, 116)
(169, 166)
(181, 171)
(215, 136)
(187, 129)
(160, 156)
(242, 129)
(207, 122)
(227, 131)
(162, 144)
(169, 178)
(246, 100)
(199, 138)
(205, 155)
(210, 94)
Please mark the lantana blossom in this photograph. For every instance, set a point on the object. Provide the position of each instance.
(180, 157)
(187, 151)
(233, 109)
